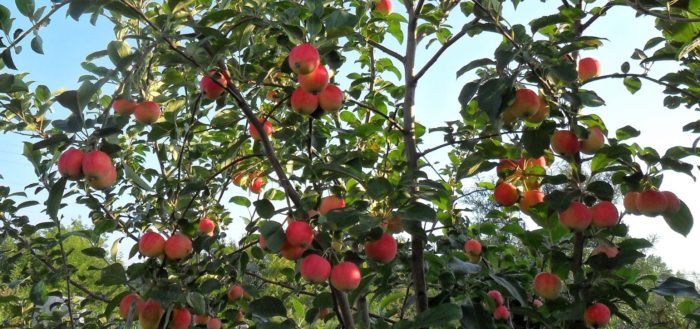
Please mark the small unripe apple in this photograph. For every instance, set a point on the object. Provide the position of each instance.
(594, 142)
(651, 203)
(473, 248)
(547, 285)
(98, 169)
(588, 68)
(304, 59)
(604, 214)
(610, 251)
(565, 143)
(151, 244)
(577, 217)
(382, 250)
(496, 296)
(267, 128)
(673, 204)
(178, 246)
(125, 306)
(291, 252)
(345, 276)
(299, 234)
(383, 7)
(331, 98)
(150, 314)
(147, 112)
(501, 313)
(201, 319)
(207, 226)
(214, 323)
(597, 315)
(630, 202)
(181, 318)
(235, 293)
(210, 89)
(531, 198)
(315, 81)
(505, 194)
(70, 164)
(329, 203)
(315, 268)
(542, 112)
(303, 102)
(124, 106)
(525, 104)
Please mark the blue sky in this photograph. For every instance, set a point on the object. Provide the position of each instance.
(66, 43)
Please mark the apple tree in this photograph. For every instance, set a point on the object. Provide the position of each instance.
(298, 119)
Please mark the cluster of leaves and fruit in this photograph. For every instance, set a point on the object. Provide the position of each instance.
(350, 224)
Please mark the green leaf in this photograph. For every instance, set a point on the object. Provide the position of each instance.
(434, 317)
(633, 84)
(477, 63)
(536, 141)
(626, 132)
(197, 302)
(55, 197)
(460, 267)
(419, 211)
(378, 187)
(513, 288)
(602, 190)
(39, 293)
(676, 287)
(590, 98)
(136, 179)
(113, 275)
(69, 100)
(265, 208)
(25, 7)
(96, 252)
(273, 234)
(537, 24)
(682, 221)
(467, 93)
(38, 45)
(6, 82)
(7, 59)
(340, 23)
(267, 307)
(77, 8)
(118, 51)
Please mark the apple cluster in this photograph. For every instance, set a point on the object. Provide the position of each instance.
(652, 203)
(95, 166)
(501, 311)
(524, 172)
(254, 181)
(528, 106)
(314, 89)
(146, 112)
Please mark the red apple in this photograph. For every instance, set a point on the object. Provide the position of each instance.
(304, 59)
(181, 318)
(565, 143)
(299, 234)
(673, 204)
(147, 112)
(315, 268)
(150, 314)
(330, 203)
(345, 276)
(303, 102)
(630, 202)
(124, 106)
(331, 98)
(235, 293)
(577, 217)
(201, 319)
(536, 162)
(151, 244)
(496, 296)
(531, 198)
(207, 226)
(126, 303)
(267, 128)
(323, 312)
(256, 184)
(315, 81)
(505, 194)
(547, 285)
(473, 248)
(542, 112)
(610, 251)
(382, 250)
(588, 68)
(594, 142)
(70, 164)
(210, 89)
(507, 167)
(383, 6)
(651, 203)
(604, 214)
(214, 323)
(525, 104)
(597, 315)
(262, 242)
(98, 169)
(178, 246)
(501, 313)
(291, 252)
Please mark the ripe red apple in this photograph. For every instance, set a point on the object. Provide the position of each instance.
(473, 249)
(610, 251)
(98, 170)
(531, 198)
(331, 98)
(201, 319)
(329, 203)
(507, 167)
(70, 164)
(315, 268)
(588, 68)
(124, 106)
(565, 143)
(235, 293)
(536, 162)
(630, 202)
(304, 59)
(315, 81)
(542, 112)
(210, 89)
(525, 104)
(147, 112)
(214, 323)
(181, 318)
(547, 285)
(496, 296)
(577, 217)
(594, 142)
(382, 250)
(505, 194)
(178, 246)
(150, 314)
(207, 226)
(262, 242)
(501, 313)
(383, 6)
(237, 178)
(345, 276)
(125, 306)
(299, 234)
(151, 244)
(290, 251)
(604, 214)
(673, 204)
(257, 182)
(323, 312)
(303, 102)
(651, 203)
(267, 128)
(597, 315)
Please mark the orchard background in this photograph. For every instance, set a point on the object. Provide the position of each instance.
(428, 115)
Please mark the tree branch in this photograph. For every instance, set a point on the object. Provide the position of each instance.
(645, 77)
(36, 26)
(444, 47)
